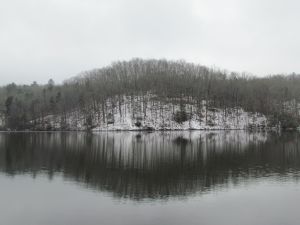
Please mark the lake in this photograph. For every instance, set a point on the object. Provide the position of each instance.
(137, 178)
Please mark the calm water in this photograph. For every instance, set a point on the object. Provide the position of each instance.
(160, 178)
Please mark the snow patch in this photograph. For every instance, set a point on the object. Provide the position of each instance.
(150, 113)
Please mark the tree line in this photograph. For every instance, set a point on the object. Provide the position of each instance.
(178, 82)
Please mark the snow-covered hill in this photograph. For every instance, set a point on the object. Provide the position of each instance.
(139, 113)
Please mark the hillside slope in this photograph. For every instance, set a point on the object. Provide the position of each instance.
(147, 113)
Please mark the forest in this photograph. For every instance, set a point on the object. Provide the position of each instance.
(98, 95)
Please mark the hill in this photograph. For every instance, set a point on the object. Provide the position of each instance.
(153, 94)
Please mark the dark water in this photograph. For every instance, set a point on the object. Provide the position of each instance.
(149, 178)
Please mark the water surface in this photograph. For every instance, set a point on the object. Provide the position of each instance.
(138, 178)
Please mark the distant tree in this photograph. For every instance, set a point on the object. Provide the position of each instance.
(51, 84)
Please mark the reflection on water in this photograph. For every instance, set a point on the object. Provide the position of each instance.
(153, 165)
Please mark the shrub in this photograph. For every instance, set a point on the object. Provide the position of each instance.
(180, 116)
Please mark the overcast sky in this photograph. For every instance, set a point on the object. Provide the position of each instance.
(42, 39)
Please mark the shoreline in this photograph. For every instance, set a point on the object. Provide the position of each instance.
(144, 130)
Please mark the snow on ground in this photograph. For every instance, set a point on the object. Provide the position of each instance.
(139, 113)
(1, 120)
(156, 115)
(166, 122)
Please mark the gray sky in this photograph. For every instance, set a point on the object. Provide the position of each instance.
(42, 39)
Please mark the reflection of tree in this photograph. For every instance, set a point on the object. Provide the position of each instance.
(150, 165)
